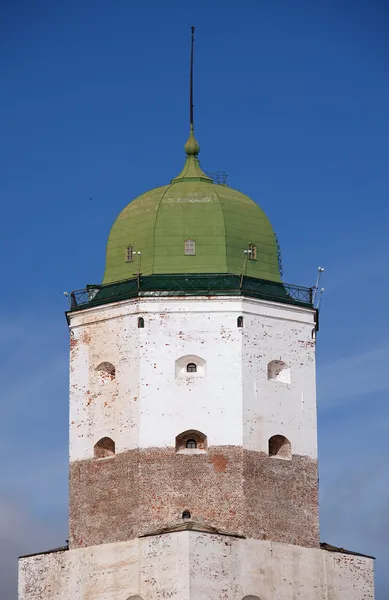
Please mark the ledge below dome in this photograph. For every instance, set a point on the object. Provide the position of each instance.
(190, 284)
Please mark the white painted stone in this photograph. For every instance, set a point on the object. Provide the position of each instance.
(196, 565)
(230, 399)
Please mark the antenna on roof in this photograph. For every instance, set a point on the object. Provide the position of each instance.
(320, 270)
(191, 106)
(320, 297)
(247, 254)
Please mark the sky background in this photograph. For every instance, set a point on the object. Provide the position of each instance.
(291, 100)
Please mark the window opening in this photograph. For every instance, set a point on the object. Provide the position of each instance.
(280, 446)
(239, 322)
(129, 254)
(191, 440)
(252, 252)
(190, 247)
(141, 322)
(190, 366)
(279, 371)
(107, 371)
(186, 514)
(104, 448)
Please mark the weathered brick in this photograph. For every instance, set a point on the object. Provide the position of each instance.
(245, 492)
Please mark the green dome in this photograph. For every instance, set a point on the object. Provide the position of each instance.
(221, 221)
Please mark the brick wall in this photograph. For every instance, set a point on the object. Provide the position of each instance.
(281, 498)
(136, 492)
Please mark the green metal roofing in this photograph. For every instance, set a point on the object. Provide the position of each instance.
(221, 221)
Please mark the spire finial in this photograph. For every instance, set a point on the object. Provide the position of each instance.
(191, 147)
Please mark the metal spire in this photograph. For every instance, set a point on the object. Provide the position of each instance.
(191, 147)
(191, 106)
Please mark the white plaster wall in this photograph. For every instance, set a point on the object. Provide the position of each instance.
(196, 565)
(277, 332)
(112, 408)
(235, 568)
(232, 402)
(109, 572)
(210, 402)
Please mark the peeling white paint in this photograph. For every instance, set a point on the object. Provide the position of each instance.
(196, 565)
(230, 399)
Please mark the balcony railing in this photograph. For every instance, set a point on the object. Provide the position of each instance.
(191, 285)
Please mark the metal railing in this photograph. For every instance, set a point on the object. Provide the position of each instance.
(207, 284)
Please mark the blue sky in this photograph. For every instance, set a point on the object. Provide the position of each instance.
(291, 100)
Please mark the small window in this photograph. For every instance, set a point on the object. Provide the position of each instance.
(186, 514)
(280, 447)
(190, 247)
(252, 252)
(141, 322)
(191, 442)
(129, 254)
(191, 366)
(239, 322)
(104, 448)
(106, 371)
(278, 371)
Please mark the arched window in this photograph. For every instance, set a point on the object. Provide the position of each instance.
(106, 371)
(104, 448)
(239, 322)
(129, 254)
(190, 247)
(141, 322)
(134, 598)
(191, 441)
(190, 366)
(280, 447)
(251, 598)
(186, 514)
(279, 371)
(252, 252)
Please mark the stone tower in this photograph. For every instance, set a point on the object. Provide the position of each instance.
(193, 446)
